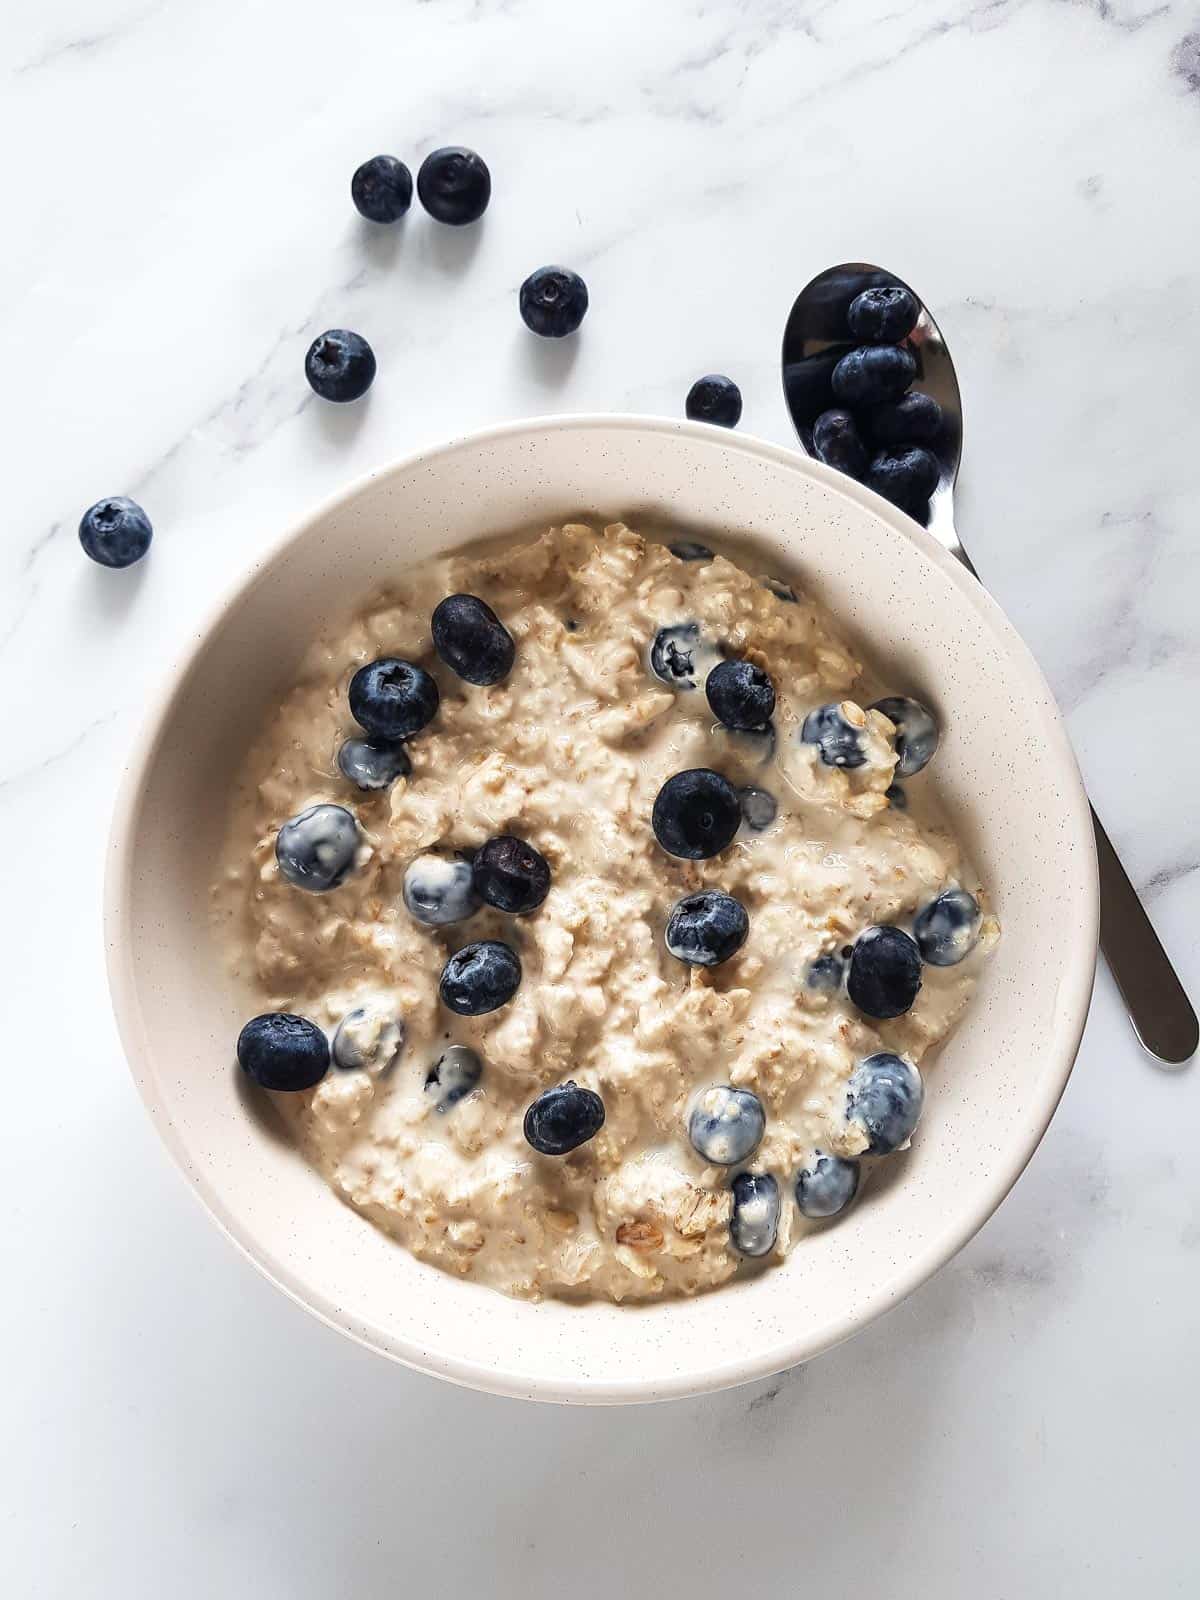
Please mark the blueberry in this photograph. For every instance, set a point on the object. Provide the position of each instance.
(553, 301)
(896, 794)
(479, 978)
(759, 808)
(511, 875)
(382, 189)
(438, 891)
(340, 365)
(741, 695)
(471, 639)
(883, 316)
(916, 733)
(689, 550)
(873, 375)
(826, 973)
(280, 1051)
(915, 418)
(679, 657)
(754, 1219)
(696, 814)
(826, 1185)
(393, 699)
(884, 1098)
(454, 185)
(317, 849)
(726, 1125)
(947, 928)
(885, 972)
(453, 1075)
(115, 532)
(715, 399)
(837, 442)
(707, 928)
(838, 741)
(781, 591)
(563, 1118)
(905, 477)
(368, 1039)
(373, 763)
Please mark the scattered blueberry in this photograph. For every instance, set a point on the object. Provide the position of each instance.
(316, 850)
(368, 1039)
(741, 695)
(781, 591)
(340, 365)
(689, 550)
(726, 1125)
(873, 374)
(373, 763)
(947, 928)
(393, 699)
(280, 1051)
(759, 808)
(453, 1075)
(826, 973)
(885, 972)
(115, 532)
(382, 189)
(896, 794)
(905, 477)
(754, 1220)
(715, 399)
(439, 891)
(883, 316)
(916, 733)
(707, 928)
(884, 1097)
(696, 814)
(471, 639)
(563, 1118)
(838, 443)
(511, 875)
(679, 657)
(915, 418)
(479, 978)
(826, 1185)
(838, 741)
(553, 301)
(454, 185)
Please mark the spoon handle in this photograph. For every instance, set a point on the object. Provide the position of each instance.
(1160, 1011)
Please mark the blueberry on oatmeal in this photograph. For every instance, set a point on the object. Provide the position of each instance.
(947, 929)
(726, 1125)
(696, 814)
(471, 639)
(826, 973)
(884, 1098)
(759, 808)
(754, 1217)
(916, 733)
(563, 1118)
(479, 978)
(838, 741)
(885, 972)
(439, 890)
(368, 1039)
(284, 1052)
(393, 699)
(689, 550)
(511, 875)
(453, 1075)
(707, 928)
(741, 695)
(373, 764)
(317, 849)
(826, 1185)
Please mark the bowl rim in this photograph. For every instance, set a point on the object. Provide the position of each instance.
(1074, 993)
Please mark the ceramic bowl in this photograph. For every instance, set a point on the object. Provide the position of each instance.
(1005, 768)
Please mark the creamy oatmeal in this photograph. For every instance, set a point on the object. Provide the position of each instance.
(708, 1114)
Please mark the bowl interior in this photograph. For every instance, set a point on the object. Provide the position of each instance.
(1004, 768)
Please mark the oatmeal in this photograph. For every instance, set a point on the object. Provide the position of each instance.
(602, 884)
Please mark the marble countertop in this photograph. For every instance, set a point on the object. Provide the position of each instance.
(179, 229)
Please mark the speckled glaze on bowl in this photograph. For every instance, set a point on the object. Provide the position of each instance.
(1005, 768)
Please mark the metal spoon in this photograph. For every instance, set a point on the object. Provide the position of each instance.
(815, 337)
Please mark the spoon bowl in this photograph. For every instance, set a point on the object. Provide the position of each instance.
(817, 336)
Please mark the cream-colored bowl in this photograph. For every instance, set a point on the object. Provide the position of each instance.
(1004, 766)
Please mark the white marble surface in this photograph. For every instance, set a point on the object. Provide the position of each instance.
(178, 228)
